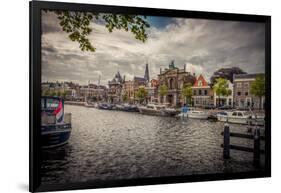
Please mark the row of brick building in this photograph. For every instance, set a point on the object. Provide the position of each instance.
(238, 82)
(121, 90)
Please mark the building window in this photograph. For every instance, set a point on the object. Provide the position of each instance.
(206, 92)
(171, 83)
(239, 85)
(194, 92)
(199, 83)
(200, 92)
(246, 93)
(246, 84)
(239, 93)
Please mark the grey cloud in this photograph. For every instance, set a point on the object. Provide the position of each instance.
(50, 25)
(207, 44)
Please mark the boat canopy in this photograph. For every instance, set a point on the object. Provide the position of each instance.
(50, 103)
(53, 106)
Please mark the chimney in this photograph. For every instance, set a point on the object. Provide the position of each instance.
(193, 73)
(160, 70)
(184, 67)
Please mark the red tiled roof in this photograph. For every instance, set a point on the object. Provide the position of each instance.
(202, 79)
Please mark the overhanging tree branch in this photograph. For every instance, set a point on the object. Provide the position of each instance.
(77, 25)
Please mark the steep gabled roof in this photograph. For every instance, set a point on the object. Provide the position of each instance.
(202, 79)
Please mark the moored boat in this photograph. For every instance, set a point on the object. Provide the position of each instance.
(130, 108)
(195, 114)
(157, 109)
(55, 124)
(105, 106)
(119, 107)
(152, 109)
(240, 117)
(212, 117)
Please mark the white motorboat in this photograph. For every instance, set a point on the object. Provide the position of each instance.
(127, 107)
(240, 117)
(119, 107)
(194, 114)
(197, 114)
(152, 109)
(157, 109)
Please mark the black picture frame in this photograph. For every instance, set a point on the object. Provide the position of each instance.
(35, 93)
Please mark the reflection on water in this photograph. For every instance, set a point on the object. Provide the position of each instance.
(109, 145)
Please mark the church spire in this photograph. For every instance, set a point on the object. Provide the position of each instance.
(146, 73)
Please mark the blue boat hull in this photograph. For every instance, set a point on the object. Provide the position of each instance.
(105, 107)
(55, 135)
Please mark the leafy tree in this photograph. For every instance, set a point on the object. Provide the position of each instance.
(63, 94)
(258, 88)
(141, 94)
(77, 25)
(187, 92)
(221, 88)
(58, 93)
(125, 96)
(52, 93)
(163, 91)
(46, 92)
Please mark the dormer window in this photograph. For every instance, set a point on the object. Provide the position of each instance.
(199, 83)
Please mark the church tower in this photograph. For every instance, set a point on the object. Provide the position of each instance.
(146, 73)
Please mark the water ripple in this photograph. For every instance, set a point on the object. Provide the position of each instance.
(108, 145)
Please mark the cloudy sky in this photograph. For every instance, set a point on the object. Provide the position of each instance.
(202, 45)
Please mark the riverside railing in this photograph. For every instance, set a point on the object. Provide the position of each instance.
(256, 150)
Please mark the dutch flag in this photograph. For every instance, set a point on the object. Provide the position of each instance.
(59, 113)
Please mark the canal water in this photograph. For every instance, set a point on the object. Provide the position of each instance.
(109, 145)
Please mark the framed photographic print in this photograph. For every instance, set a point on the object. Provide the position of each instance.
(124, 96)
